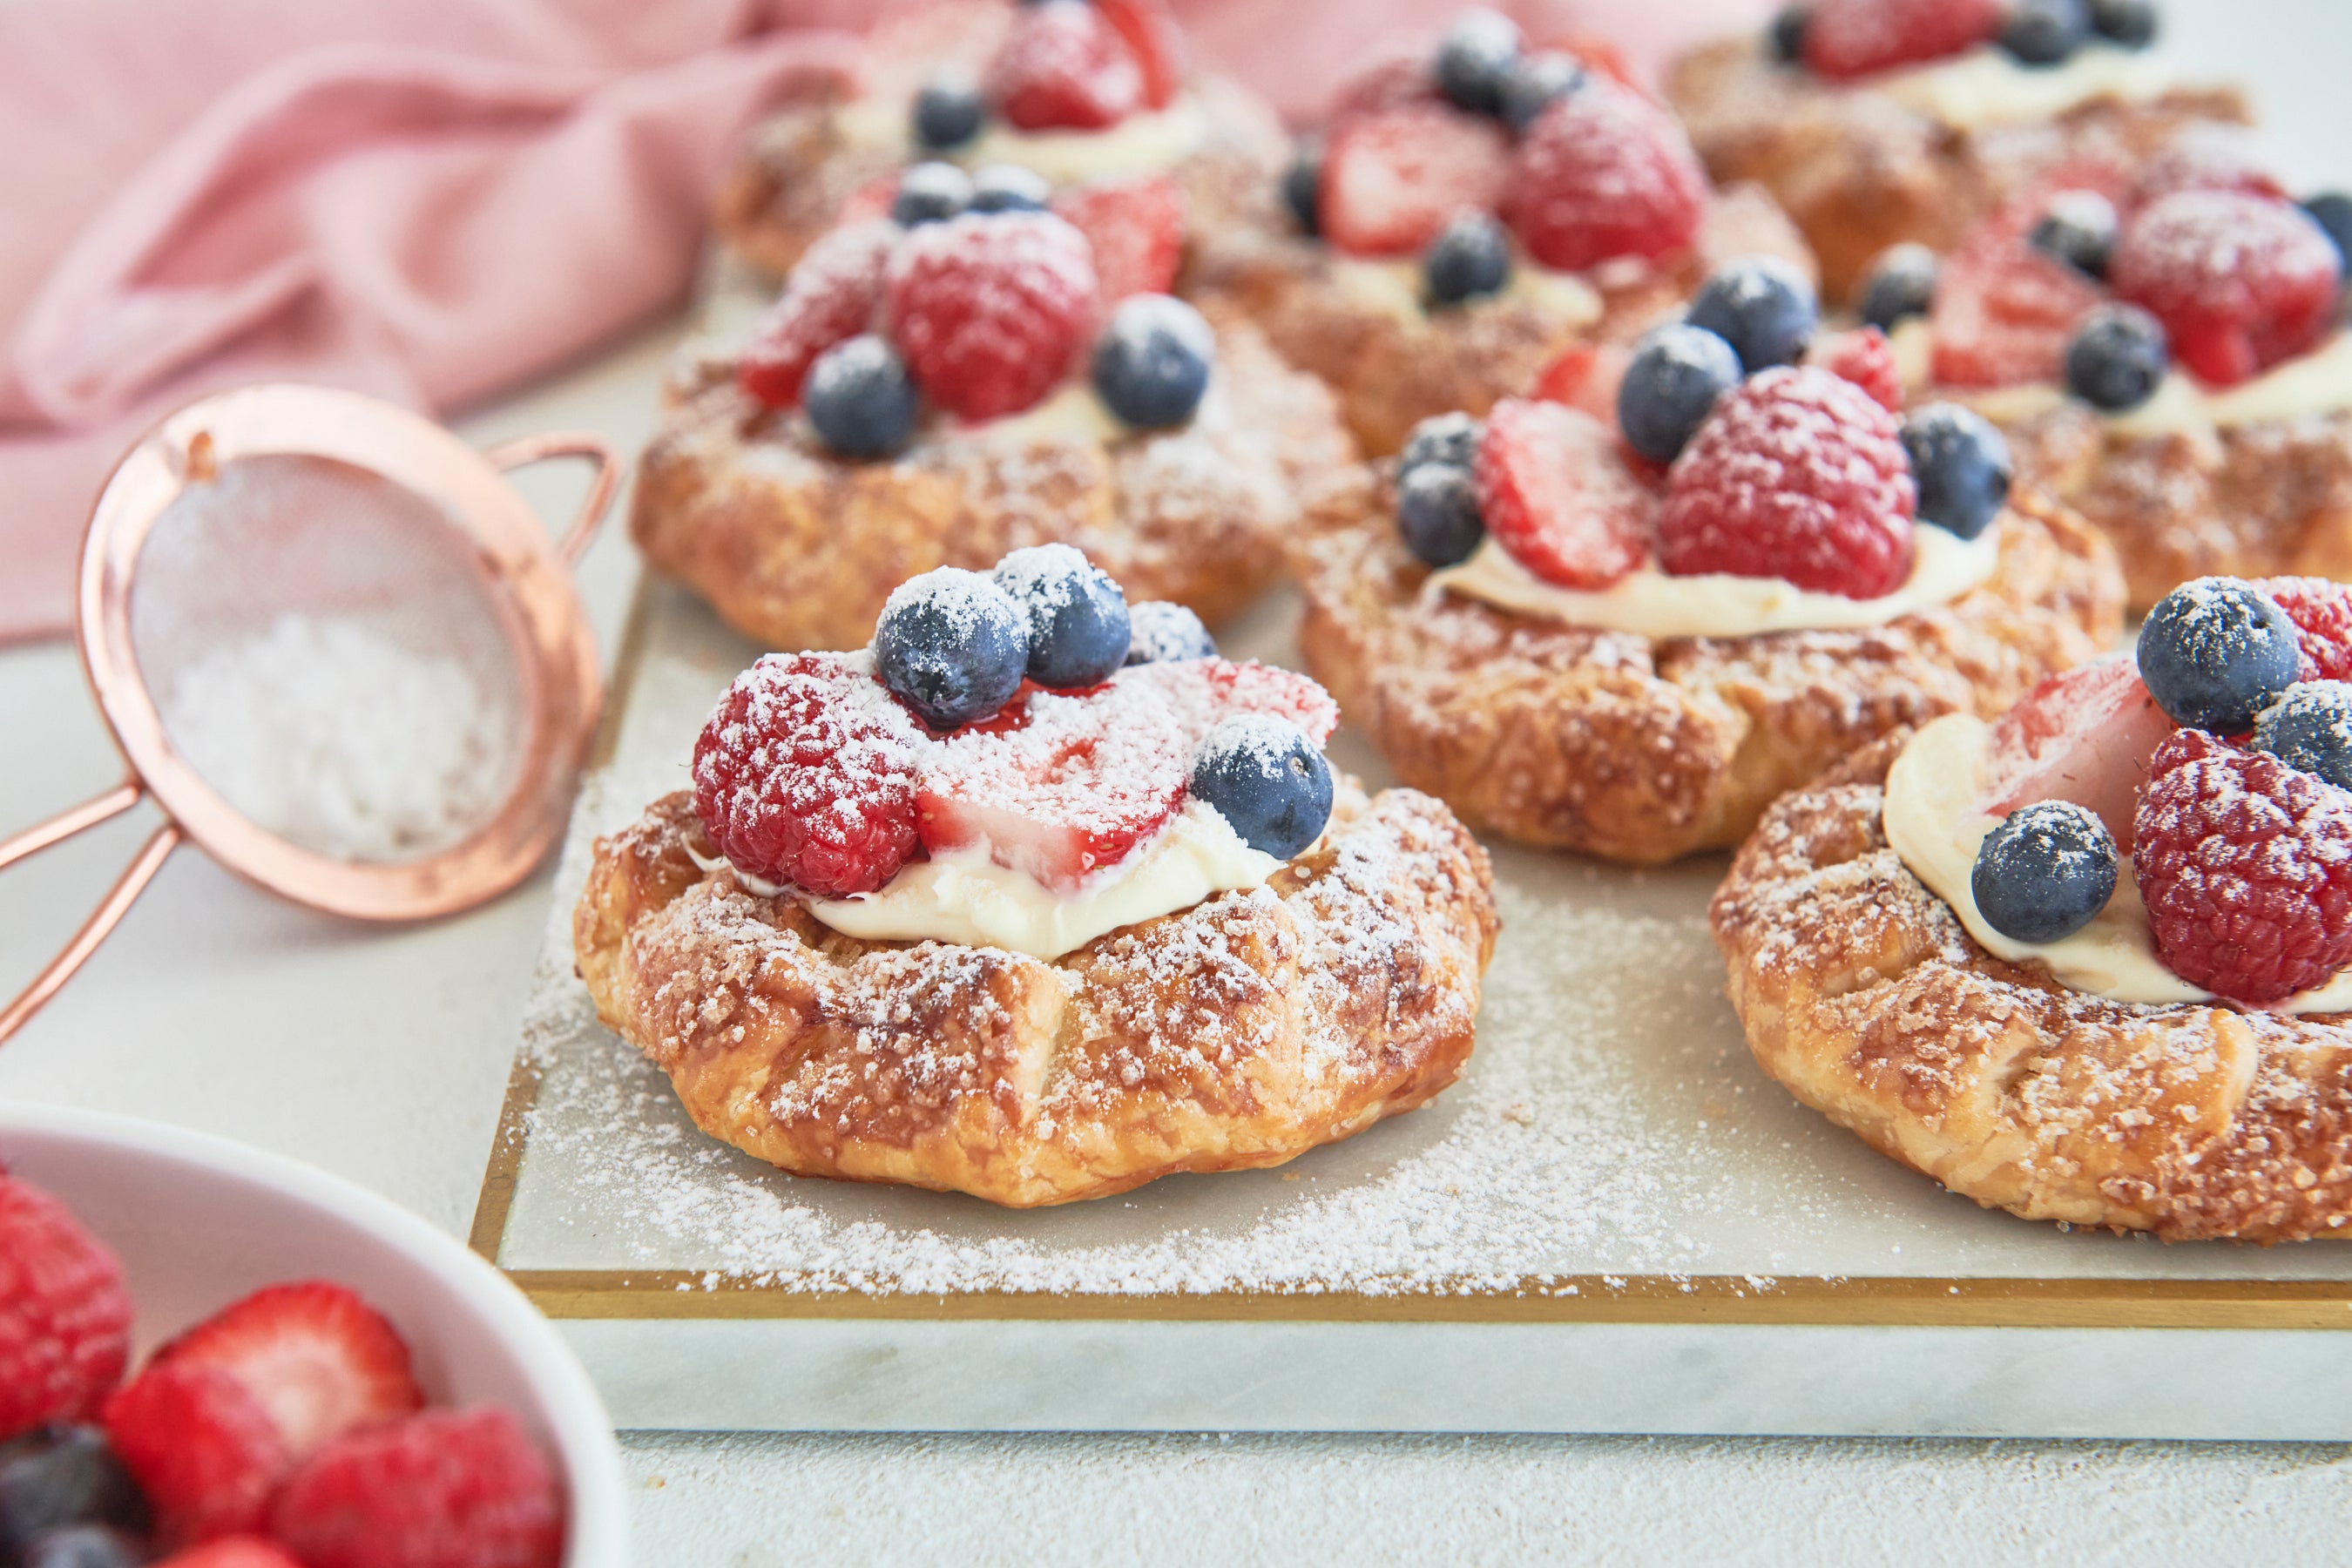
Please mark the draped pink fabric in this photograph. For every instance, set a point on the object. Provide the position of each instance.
(429, 200)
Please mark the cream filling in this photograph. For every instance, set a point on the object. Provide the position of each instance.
(2317, 383)
(1147, 142)
(1933, 821)
(1648, 602)
(1394, 287)
(1986, 86)
(1071, 412)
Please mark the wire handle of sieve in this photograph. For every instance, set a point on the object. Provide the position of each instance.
(602, 488)
(110, 909)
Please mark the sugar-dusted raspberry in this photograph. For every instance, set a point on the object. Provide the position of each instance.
(1855, 38)
(1391, 179)
(1557, 493)
(1798, 475)
(202, 1446)
(2322, 612)
(1064, 67)
(805, 773)
(1864, 357)
(829, 298)
(2245, 866)
(2240, 282)
(65, 1318)
(443, 1488)
(1605, 173)
(1135, 227)
(988, 308)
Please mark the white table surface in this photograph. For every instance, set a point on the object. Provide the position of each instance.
(383, 1057)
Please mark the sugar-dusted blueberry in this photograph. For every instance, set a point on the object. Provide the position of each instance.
(1440, 438)
(952, 645)
(949, 110)
(2045, 872)
(2310, 727)
(1476, 56)
(2078, 228)
(859, 397)
(1961, 465)
(1163, 633)
(930, 193)
(55, 1476)
(1010, 188)
(1266, 779)
(1079, 629)
(1676, 374)
(1151, 362)
(1468, 257)
(1437, 512)
(2046, 32)
(2131, 23)
(2118, 358)
(2216, 652)
(1537, 81)
(1902, 284)
(1785, 36)
(2332, 211)
(1762, 307)
(1302, 186)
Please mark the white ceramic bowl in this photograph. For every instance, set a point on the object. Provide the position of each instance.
(199, 1222)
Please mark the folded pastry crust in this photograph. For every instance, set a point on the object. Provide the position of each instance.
(1643, 749)
(1862, 992)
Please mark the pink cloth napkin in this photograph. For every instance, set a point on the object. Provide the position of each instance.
(429, 200)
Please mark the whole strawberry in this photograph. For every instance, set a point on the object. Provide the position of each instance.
(989, 309)
(446, 1488)
(65, 1320)
(1605, 173)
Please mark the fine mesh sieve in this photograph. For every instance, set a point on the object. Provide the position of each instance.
(338, 651)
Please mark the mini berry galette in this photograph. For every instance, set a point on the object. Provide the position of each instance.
(1626, 639)
(1035, 899)
(2088, 961)
(1476, 217)
(938, 391)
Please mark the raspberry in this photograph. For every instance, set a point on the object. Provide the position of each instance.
(2322, 612)
(2246, 867)
(233, 1552)
(989, 309)
(321, 1360)
(1796, 475)
(1136, 228)
(805, 773)
(203, 1447)
(1605, 173)
(1556, 492)
(1062, 67)
(65, 1320)
(1152, 35)
(1855, 38)
(447, 1489)
(1391, 179)
(1863, 358)
(829, 298)
(2240, 282)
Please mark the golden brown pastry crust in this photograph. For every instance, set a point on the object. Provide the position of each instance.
(1237, 1034)
(1864, 995)
(798, 548)
(1858, 172)
(1645, 751)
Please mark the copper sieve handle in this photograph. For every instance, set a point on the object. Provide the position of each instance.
(601, 489)
(110, 912)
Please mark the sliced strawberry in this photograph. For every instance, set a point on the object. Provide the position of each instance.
(1205, 693)
(1063, 67)
(202, 1447)
(1558, 493)
(319, 1360)
(1392, 179)
(1585, 377)
(1157, 42)
(1863, 358)
(2004, 312)
(1846, 39)
(1137, 228)
(2322, 612)
(2084, 736)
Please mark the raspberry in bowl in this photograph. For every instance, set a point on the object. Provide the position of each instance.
(1886, 123)
(937, 388)
(1483, 211)
(1035, 899)
(2087, 960)
(1074, 91)
(1626, 636)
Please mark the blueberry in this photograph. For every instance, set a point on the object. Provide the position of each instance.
(1762, 307)
(1676, 374)
(1266, 779)
(2310, 727)
(930, 193)
(2131, 23)
(1902, 283)
(2332, 211)
(55, 1476)
(952, 645)
(859, 397)
(2215, 653)
(1475, 56)
(2118, 358)
(1961, 465)
(1078, 627)
(1010, 188)
(1437, 512)
(2078, 228)
(1786, 37)
(1302, 186)
(1469, 256)
(1151, 362)
(2046, 32)
(1163, 633)
(1535, 82)
(2045, 872)
(949, 111)
(84, 1546)
(1441, 439)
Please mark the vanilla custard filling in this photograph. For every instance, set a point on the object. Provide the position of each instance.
(1148, 141)
(1985, 86)
(1648, 602)
(1933, 821)
(2312, 384)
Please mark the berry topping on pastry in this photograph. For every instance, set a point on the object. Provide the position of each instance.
(988, 310)
(1079, 630)
(830, 299)
(949, 110)
(1152, 34)
(65, 1320)
(930, 193)
(1864, 357)
(1901, 284)
(2321, 610)
(1676, 374)
(2310, 727)
(2118, 358)
(1010, 188)
(1162, 633)
(1152, 361)
(1762, 307)
(1554, 491)
(1135, 227)
(1847, 39)
(1437, 512)
(861, 401)
(1960, 463)
(1267, 779)
(2216, 652)
(1064, 67)
(1605, 173)
(2240, 282)
(2045, 872)
(1475, 59)
(2077, 227)
(1471, 256)
(1392, 179)
(2004, 310)
(2084, 735)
